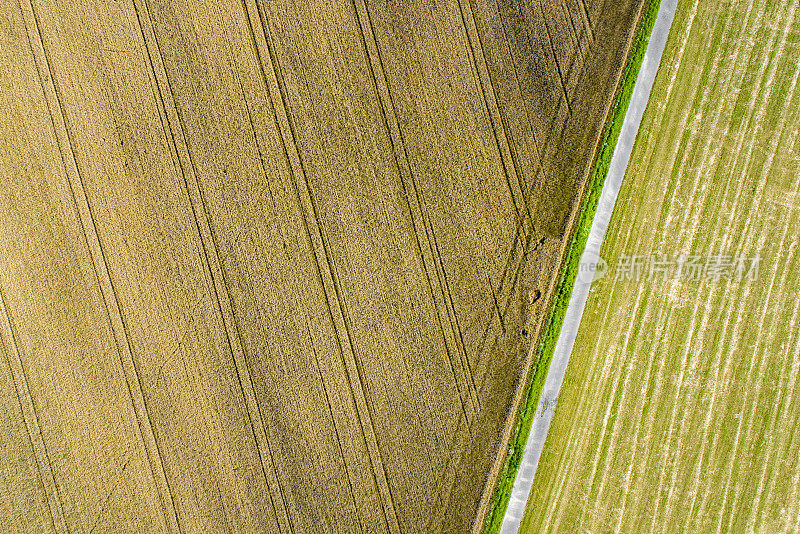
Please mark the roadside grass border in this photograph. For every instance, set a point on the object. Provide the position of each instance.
(568, 272)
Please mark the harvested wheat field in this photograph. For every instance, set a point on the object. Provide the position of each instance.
(276, 266)
(679, 410)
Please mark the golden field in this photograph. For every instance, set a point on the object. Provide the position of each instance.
(277, 266)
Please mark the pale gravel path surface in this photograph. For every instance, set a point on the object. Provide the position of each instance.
(580, 293)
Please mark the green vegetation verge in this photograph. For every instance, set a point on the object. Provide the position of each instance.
(569, 272)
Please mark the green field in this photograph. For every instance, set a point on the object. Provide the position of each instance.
(679, 408)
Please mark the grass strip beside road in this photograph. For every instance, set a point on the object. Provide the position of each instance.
(569, 272)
